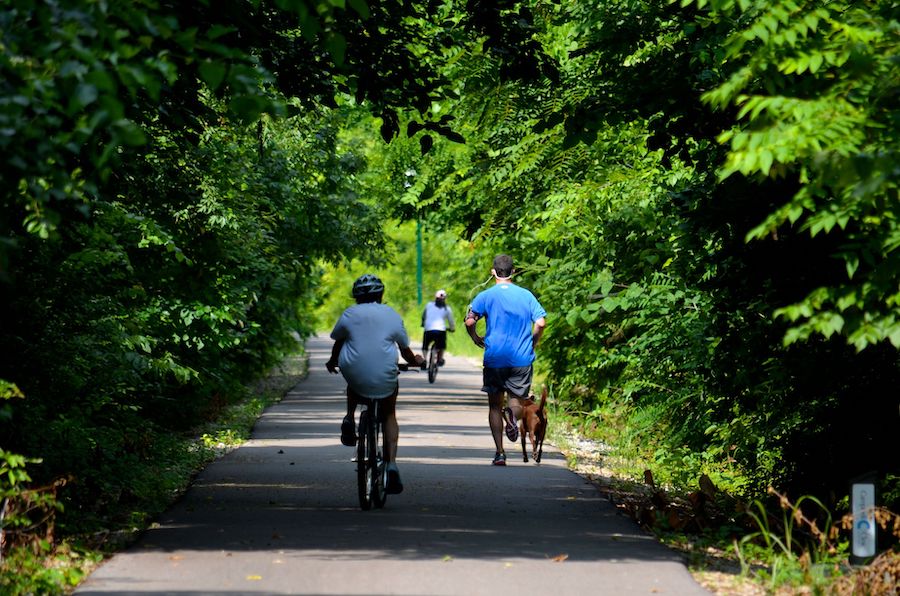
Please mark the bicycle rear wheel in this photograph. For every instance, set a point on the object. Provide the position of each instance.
(432, 364)
(363, 471)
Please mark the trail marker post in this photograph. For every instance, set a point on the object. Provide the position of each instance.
(862, 505)
(410, 173)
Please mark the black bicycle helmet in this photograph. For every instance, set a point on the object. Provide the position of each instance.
(367, 285)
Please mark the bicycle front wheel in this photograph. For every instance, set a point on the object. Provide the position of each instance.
(364, 472)
(432, 364)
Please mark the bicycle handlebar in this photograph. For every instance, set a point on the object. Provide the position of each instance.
(405, 366)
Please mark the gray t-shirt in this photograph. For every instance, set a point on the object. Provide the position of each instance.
(436, 318)
(368, 358)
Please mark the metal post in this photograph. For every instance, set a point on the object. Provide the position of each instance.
(862, 503)
(410, 173)
(419, 262)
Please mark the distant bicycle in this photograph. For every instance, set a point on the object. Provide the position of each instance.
(437, 320)
(433, 363)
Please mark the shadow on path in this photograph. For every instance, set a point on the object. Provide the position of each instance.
(280, 514)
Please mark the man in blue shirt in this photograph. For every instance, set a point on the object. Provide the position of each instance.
(514, 325)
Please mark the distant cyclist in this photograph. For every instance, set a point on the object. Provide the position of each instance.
(366, 338)
(437, 319)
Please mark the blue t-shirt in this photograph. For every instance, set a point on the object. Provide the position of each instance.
(510, 312)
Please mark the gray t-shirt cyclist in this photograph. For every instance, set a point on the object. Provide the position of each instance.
(368, 358)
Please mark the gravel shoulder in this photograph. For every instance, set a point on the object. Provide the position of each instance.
(714, 569)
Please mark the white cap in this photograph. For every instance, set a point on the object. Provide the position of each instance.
(440, 294)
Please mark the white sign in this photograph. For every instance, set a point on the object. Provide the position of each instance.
(863, 504)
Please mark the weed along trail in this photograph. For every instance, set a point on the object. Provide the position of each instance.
(280, 515)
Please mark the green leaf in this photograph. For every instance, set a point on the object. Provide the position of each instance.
(852, 264)
(894, 335)
(425, 143)
(129, 133)
(610, 304)
(217, 31)
(454, 136)
(337, 47)
(765, 161)
(102, 80)
(815, 62)
(360, 7)
(413, 127)
(85, 94)
(212, 73)
(248, 107)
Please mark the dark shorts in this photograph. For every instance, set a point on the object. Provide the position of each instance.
(438, 338)
(515, 379)
(388, 404)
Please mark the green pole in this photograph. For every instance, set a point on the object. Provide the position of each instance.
(419, 262)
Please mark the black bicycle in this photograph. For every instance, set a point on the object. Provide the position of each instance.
(371, 469)
(433, 363)
(370, 447)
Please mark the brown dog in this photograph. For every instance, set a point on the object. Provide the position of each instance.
(534, 423)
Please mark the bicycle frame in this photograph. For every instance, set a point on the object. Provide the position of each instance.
(432, 363)
(370, 465)
(371, 469)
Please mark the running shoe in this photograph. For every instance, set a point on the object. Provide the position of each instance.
(499, 459)
(348, 431)
(512, 426)
(393, 486)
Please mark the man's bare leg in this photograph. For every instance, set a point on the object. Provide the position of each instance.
(495, 418)
(515, 404)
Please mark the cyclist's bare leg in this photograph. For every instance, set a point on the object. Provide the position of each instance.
(495, 418)
(391, 437)
(391, 428)
(351, 403)
(441, 347)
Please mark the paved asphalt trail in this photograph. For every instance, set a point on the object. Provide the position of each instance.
(280, 515)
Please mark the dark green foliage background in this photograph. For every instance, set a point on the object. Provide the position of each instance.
(172, 181)
(702, 194)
